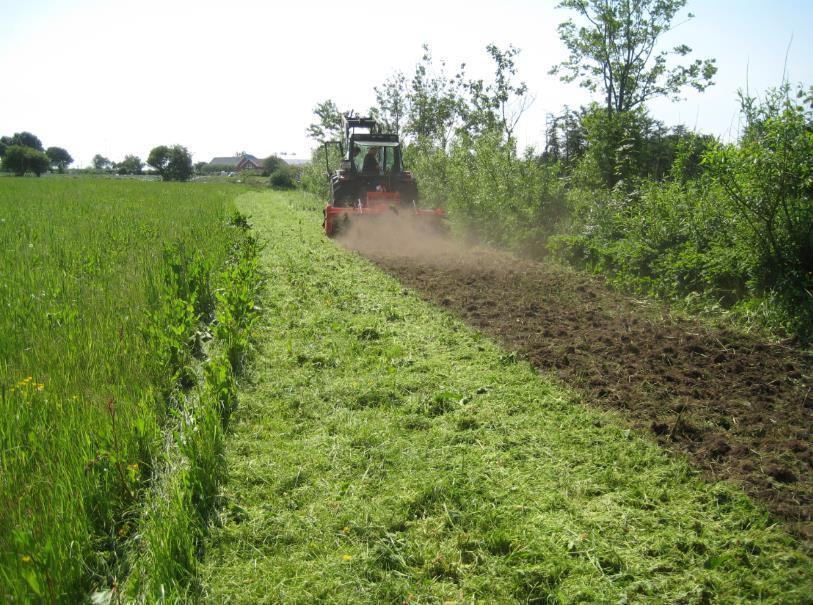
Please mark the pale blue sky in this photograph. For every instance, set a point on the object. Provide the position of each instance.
(122, 76)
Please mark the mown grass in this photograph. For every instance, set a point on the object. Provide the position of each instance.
(386, 453)
(87, 373)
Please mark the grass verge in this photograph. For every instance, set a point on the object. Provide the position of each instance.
(387, 453)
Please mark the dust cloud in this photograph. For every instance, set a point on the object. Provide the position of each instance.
(404, 236)
(406, 240)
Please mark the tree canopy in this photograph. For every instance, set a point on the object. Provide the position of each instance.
(615, 51)
(434, 102)
(60, 158)
(131, 164)
(329, 126)
(21, 139)
(271, 164)
(498, 105)
(172, 163)
(101, 163)
(5, 143)
(20, 159)
(392, 103)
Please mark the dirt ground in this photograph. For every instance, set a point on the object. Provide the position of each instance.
(739, 407)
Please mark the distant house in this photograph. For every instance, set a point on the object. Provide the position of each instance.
(238, 163)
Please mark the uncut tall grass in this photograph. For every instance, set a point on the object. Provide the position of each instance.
(81, 407)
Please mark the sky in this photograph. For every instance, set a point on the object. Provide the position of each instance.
(120, 77)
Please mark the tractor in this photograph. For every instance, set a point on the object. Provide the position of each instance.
(370, 180)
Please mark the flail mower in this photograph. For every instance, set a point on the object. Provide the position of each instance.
(371, 181)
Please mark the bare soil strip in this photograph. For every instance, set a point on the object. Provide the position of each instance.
(739, 407)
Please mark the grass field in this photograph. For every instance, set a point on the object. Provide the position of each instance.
(386, 453)
(381, 450)
(86, 379)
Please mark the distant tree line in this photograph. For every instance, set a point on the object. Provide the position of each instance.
(658, 209)
(23, 152)
(171, 163)
(131, 164)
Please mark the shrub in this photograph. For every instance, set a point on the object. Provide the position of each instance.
(19, 160)
(215, 168)
(501, 197)
(284, 178)
(314, 175)
(768, 181)
(271, 164)
(665, 238)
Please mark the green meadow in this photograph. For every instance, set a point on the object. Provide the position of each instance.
(86, 383)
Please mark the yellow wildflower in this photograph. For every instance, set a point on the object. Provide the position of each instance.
(26, 558)
(347, 557)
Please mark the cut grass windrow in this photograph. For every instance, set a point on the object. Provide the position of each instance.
(386, 453)
(166, 543)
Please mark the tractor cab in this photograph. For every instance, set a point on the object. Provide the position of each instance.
(370, 156)
(371, 163)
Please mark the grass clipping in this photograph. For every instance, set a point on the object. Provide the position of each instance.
(388, 453)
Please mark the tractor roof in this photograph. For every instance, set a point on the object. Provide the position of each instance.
(380, 139)
(356, 122)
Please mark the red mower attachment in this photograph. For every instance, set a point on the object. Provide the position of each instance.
(377, 203)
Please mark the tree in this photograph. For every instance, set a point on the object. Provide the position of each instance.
(614, 52)
(566, 139)
(101, 163)
(172, 163)
(60, 159)
(500, 104)
(131, 164)
(15, 159)
(20, 159)
(392, 100)
(5, 143)
(329, 126)
(271, 164)
(21, 139)
(614, 145)
(434, 103)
